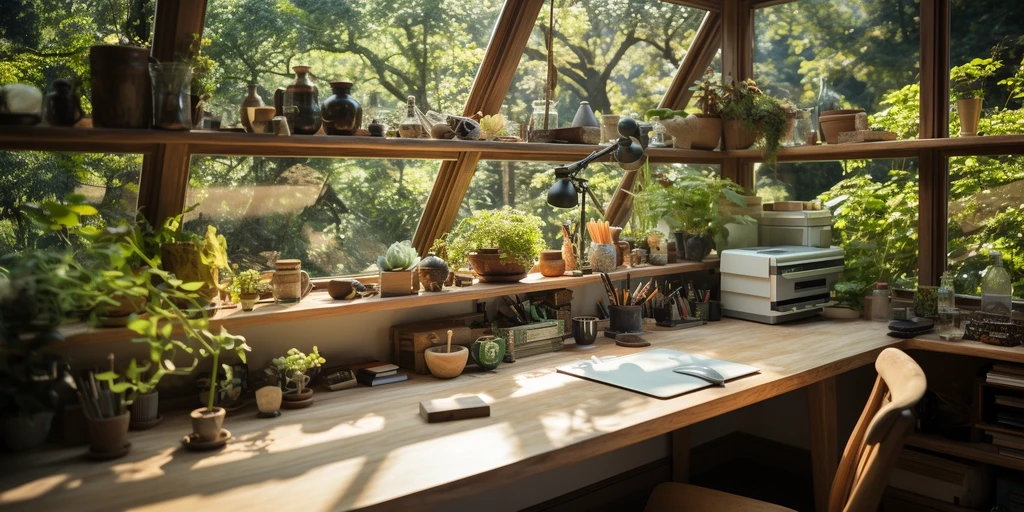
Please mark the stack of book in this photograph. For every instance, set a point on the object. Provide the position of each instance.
(1008, 431)
(1006, 375)
(532, 339)
(381, 374)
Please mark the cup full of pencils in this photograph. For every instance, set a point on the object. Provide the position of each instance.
(602, 249)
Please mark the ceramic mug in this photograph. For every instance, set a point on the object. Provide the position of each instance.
(290, 286)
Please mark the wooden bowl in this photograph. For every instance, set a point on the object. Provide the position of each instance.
(446, 365)
(832, 126)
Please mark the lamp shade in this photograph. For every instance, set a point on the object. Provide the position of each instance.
(563, 194)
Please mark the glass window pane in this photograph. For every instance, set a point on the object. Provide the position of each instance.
(874, 208)
(109, 182)
(390, 50)
(986, 213)
(619, 55)
(336, 215)
(865, 51)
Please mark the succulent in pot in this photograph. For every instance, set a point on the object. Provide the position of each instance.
(293, 373)
(398, 275)
(247, 286)
(499, 244)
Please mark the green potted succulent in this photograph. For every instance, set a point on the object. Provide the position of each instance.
(246, 288)
(500, 244)
(968, 89)
(293, 373)
(751, 116)
(707, 92)
(397, 270)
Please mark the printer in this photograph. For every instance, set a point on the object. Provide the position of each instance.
(778, 284)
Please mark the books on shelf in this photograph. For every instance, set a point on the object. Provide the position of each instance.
(1006, 375)
(1007, 440)
(1011, 419)
(1011, 452)
(1010, 401)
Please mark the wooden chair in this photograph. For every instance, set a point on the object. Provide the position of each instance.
(869, 456)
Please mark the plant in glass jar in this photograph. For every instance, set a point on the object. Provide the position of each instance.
(500, 244)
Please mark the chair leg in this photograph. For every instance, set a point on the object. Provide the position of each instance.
(681, 455)
(821, 408)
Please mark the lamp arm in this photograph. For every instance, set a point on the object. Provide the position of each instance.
(593, 199)
(580, 165)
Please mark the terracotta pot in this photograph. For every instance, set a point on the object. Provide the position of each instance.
(487, 263)
(121, 96)
(736, 135)
(26, 431)
(551, 264)
(109, 435)
(126, 305)
(709, 133)
(206, 424)
(253, 99)
(248, 300)
(446, 365)
(146, 407)
(341, 113)
(832, 126)
(969, 110)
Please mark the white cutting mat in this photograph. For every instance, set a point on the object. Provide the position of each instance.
(650, 372)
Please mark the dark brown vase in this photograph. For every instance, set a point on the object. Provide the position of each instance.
(341, 113)
(62, 107)
(121, 96)
(299, 103)
(492, 269)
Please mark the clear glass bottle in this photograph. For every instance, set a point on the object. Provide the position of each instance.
(411, 127)
(538, 115)
(947, 294)
(657, 133)
(880, 302)
(997, 288)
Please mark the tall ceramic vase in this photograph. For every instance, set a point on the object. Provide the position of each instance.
(253, 99)
(969, 110)
(299, 103)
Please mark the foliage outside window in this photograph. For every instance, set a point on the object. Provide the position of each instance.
(336, 215)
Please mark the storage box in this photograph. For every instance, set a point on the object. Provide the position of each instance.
(810, 228)
(397, 284)
(522, 335)
(962, 484)
(410, 341)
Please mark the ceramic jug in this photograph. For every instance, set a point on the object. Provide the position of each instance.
(253, 99)
(62, 107)
(300, 103)
(342, 114)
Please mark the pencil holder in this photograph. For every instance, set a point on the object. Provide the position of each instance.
(602, 257)
(624, 319)
(702, 310)
(584, 329)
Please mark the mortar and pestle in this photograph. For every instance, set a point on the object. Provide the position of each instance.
(443, 363)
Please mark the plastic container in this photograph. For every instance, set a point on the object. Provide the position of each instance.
(880, 302)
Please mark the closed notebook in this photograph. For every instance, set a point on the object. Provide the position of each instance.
(650, 372)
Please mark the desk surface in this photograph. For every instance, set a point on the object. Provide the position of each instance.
(368, 447)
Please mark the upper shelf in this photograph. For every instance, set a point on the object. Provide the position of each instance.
(320, 305)
(99, 140)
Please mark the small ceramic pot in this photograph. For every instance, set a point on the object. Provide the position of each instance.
(602, 257)
(488, 351)
(551, 264)
(737, 136)
(432, 279)
(489, 266)
(658, 259)
(584, 329)
(342, 114)
(146, 407)
(377, 128)
(624, 319)
(446, 365)
(109, 435)
(253, 99)
(206, 424)
(341, 289)
(248, 300)
(268, 401)
(969, 110)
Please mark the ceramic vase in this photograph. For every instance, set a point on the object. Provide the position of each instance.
(268, 401)
(585, 116)
(488, 351)
(299, 103)
(121, 96)
(551, 264)
(252, 99)
(62, 107)
(969, 110)
(602, 257)
(342, 114)
(207, 424)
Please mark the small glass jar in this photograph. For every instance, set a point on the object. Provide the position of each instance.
(951, 324)
(802, 126)
(287, 281)
(657, 133)
(602, 257)
(947, 294)
(880, 302)
(538, 115)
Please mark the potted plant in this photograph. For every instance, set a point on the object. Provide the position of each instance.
(500, 244)
(207, 421)
(246, 287)
(849, 300)
(751, 116)
(968, 89)
(292, 372)
(193, 258)
(397, 274)
(709, 122)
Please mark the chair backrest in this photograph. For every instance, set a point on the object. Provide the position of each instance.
(878, 437)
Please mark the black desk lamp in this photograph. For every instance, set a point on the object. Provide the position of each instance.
(570, 189)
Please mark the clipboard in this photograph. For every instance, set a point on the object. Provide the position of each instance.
(650, 372)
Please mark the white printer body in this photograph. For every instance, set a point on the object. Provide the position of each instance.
(778, 284)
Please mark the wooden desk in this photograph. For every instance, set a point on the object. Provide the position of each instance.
(368, 448)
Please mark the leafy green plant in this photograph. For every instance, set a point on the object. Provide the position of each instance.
(204, 82)
(247, 282)
(516, 233)
(212, 345)
(760, 113)
(707, 92)
(294, 365)
(968, 80)
(400, 256)
(691, 203)
(850, 294)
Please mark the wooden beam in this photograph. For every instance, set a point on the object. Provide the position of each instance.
(705, 45)
(932, 216)
(707, 5)
(737, 39)
(497, 70)
(934, 69)
(821, 409)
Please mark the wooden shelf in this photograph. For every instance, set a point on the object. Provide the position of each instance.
(320, 305)
(979, 452)
(995, 144)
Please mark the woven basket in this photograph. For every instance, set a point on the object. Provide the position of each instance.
(994, 330)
